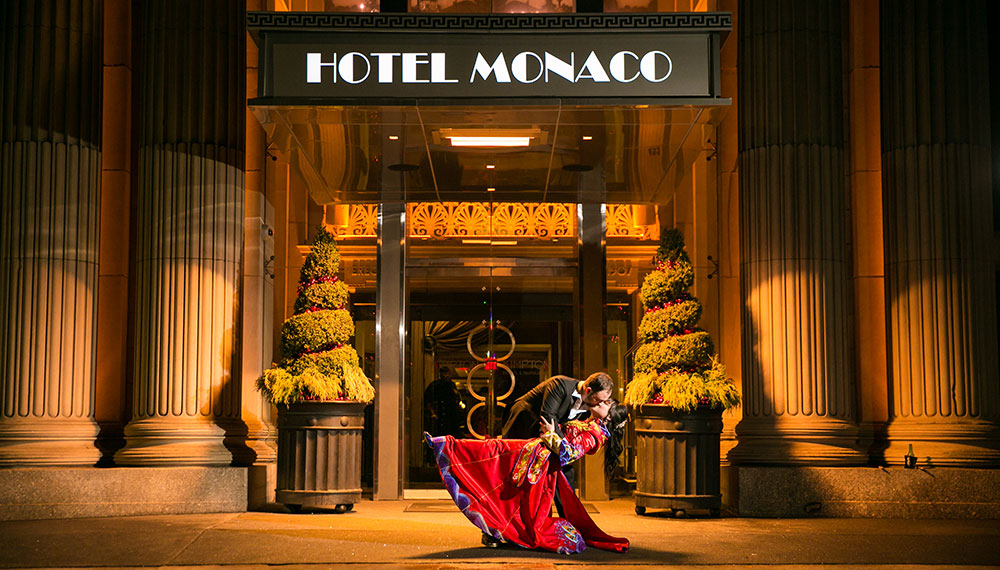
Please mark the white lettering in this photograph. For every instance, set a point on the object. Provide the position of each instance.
(559, 67)
(385, 66)
(410, 62)
(648, 66)
(594, 69)
(519, 67)
(347, 67)
(617, 67)
(484, 70)
(315, 65)
(438, 69)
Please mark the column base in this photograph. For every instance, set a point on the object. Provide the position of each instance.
(248, 441)
(164, 441)
(821, 441)
(48, 442)
(956, 443)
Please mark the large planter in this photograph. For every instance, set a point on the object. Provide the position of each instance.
(677, 459)
(319, 454)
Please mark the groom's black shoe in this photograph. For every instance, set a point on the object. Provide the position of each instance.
(490, 542)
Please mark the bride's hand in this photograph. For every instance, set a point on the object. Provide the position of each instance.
(547, 425)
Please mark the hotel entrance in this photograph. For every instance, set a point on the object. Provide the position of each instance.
(493, 238)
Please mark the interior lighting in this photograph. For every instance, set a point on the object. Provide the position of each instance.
(490, 137)
(491, 189)
(489, 242)
(393, 137)
(588, 138)
(490, 141)
(490, 166)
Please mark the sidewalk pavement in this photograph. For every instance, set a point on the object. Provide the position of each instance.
(381, 535)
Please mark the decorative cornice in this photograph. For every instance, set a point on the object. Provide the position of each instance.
(633, 22)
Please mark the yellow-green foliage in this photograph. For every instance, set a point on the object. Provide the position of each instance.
(671, 320)
(684, 351)
(323, 260)
(311, 369)
(319, 330)
(673, 364)
(685, 390)
(662, 286)
(324, 295)
(671, 246)
(347, 382)
(328, 362)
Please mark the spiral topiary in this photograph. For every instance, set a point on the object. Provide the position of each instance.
(675, 365)
(316, 361)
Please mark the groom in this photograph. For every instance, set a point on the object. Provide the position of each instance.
(558, 399)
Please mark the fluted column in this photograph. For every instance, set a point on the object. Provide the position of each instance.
(798, 371)
(50, 164)
(190, 208)
(945, 393)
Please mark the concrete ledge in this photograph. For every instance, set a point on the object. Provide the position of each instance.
(52, 493)
(941, 493)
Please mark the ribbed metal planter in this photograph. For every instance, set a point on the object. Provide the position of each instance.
(319, 454)
(677, 459)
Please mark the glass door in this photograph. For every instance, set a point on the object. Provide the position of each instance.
(490, 316)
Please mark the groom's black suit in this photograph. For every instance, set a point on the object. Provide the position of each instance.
(551, 400)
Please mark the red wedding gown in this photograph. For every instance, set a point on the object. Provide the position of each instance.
(506, 487)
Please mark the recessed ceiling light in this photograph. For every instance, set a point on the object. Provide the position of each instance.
(490, 137)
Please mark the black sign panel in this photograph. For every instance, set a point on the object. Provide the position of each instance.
(353, 65)
(487, 57)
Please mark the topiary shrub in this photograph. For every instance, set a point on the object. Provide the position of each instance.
(316, 361)
(676, 365)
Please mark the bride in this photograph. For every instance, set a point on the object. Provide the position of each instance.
(506, 486)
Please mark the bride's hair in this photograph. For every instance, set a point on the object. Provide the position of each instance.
(615, 422)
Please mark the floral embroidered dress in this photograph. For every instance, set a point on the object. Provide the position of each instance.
(506, 487)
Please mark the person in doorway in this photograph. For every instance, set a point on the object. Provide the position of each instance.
(506, 486)
(443, 406)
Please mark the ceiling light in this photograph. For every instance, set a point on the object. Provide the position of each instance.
(587, 137)
(490, 166)
(491, 189)
(489, 141)
(393, 138)
(484, 137)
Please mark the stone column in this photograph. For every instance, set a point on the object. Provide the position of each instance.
(798, 365)
(939, 233)
(50, 164)
(189, 242)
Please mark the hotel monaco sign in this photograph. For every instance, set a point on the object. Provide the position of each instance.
(385, 57)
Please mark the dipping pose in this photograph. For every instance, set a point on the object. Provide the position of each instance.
(506, 486)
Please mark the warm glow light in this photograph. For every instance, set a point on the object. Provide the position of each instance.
(393, 138)
(587, 137)
(491, 189)
(489, 242)
(490, 137)
(490, 166)
(490, 141)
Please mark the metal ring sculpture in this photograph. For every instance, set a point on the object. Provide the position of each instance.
(483, 362)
